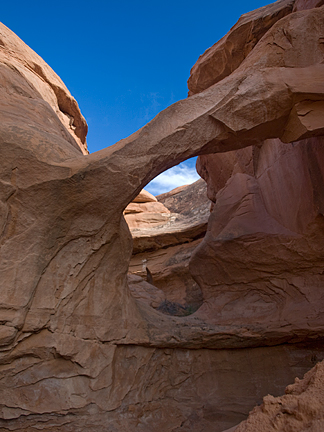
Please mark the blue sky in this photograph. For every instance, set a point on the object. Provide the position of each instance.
(124, 61)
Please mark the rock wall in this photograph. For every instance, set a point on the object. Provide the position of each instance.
(268, 211)
(78, 351)
(262, 257)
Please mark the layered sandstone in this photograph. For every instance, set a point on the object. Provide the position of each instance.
(161, 252)
(145, 211)
(78, 351)
(226, 55)
(268, 211)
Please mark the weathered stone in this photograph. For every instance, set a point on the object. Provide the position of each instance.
(166, 250)
(87, 355)
(217, 168)
(169, 268)
(186, 200)
(226, 55)
(301, 409)
(146, 389)
(7, 334)
(25, 76)
(147, 219)
(145, 291)
(144, 197)
(307, 4)
(150, 207)
(145, 212)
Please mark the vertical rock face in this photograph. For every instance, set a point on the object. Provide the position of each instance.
(273, 221)
(261, 260)
(77, 350)
(270, 215)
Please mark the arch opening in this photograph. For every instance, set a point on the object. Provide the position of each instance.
(166, 228)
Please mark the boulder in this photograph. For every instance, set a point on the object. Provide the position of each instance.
(145, 211)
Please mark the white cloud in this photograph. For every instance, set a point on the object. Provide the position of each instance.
(172, 178)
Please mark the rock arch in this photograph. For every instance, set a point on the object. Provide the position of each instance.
(65, 246)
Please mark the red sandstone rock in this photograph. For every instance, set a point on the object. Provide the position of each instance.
(226, 55)
(144, 197)
(22, 65)
(174, 191)
(149, 207)
(166, 250)
(145, 211)
(145, 291)
(273, 223)
(307, 4)
(216, 169)
(301, 409)
(80, 352)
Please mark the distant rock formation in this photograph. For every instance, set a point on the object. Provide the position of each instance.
(78, 350)
(145, 211)
(163, 244)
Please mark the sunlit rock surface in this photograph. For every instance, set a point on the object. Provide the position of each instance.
(78, 350)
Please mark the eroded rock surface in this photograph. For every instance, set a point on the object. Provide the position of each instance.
(161, 252)
(146, 212)
(273, 222)
(78, 351)
(26, 77)
(301, 409)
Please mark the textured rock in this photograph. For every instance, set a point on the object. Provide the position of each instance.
(216, 169)
(301, 409)
(274, 223)
(143, 389)
(226, 55)
(144, 211)
(150, 207)
(144, 197)
(144, 291)
(187, 220)
(148, 219)
(169, 268)
(79, 351)
(165, 250)
(186, 200)
(21, 65)
(307, 4)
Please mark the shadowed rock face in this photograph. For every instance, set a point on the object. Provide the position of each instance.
(78, 352)
(300, 409)
(273, 221)
(261, 259)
